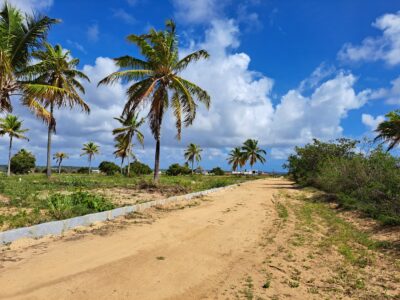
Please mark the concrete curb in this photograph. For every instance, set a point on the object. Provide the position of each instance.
(58, 227)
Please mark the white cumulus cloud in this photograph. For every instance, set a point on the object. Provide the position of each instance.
(30, 5)
(372, 122)
(385, 47)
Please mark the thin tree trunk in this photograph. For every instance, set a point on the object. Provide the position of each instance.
(157, 160)
(128, 170)
(49, 132)
(9, 157)
(59, 167)
(122, 165)
(90, 164)
(192, 165)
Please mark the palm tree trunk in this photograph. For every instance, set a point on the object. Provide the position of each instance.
(128, 169)
(157, 160)
(50, 129)
(90, 164)
(59, 167)
(192, 165)
(9, 158)
(122, 165)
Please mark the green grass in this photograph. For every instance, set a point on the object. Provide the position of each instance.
(282, 211)
(34, 199)
(354, 245)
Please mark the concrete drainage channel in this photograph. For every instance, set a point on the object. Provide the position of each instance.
(58, 227)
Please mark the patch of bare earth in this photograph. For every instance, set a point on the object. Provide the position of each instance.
(260, 240)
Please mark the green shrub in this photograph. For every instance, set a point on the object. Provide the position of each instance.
(138, 168)
(217, 171)
(177, 169)
(109, 168)
(62, 206)
(367, 182)
(22, 162)
(83, 170)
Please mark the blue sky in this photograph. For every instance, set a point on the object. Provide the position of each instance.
(283, 72)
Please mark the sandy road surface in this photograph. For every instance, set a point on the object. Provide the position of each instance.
(260, 240)
(185, 254)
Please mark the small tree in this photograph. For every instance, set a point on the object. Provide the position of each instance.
(236, 158)
(59, 157)
(253, 153)
(23, 162)
(217, 171)
(90, 149)
(12, 127)
(177, 169)
(193, 153)
(139, 168)
(108, 168)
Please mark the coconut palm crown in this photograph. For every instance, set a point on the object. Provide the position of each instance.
(252, 153)
(193, 153)
(19, 35)
(236, 158)
(12, 127)
(389, 130)
(90, 149)
(124, 135)
(156, 83)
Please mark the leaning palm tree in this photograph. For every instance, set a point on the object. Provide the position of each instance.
(156, 82)
(90, 149)
(193, 153)
(389, 130)
(19, 35)
(124, 135)
(12, 126)
(56, 81)
(59, 157)
(252, 153)
(236, 158)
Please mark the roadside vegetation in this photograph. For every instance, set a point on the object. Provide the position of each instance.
(367, 180)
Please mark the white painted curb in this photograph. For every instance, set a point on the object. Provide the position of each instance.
(58, 227)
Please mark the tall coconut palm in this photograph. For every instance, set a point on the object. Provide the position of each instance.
(236, 158)
(12, 126)
(156, 82)
(90, 149)
(252, 153)
(19, 35)
(193, 153)
(59, 157)
(389, 130)
(130, 124)
(55, 80)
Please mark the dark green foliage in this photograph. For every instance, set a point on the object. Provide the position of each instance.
(138, 168)
(368, 182)
(109, 168)
(22, 162)
(177, 169)
(62, 206)
(304, 165)
(83, 170)
(217, 171)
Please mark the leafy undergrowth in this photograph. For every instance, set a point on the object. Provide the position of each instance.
(32, 199)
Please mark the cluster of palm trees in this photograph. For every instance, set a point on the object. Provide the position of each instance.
(46, 78)
(248, 152)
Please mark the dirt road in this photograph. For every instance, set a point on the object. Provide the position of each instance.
(219, 249)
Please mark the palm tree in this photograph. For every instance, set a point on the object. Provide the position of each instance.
(389, 130)
(12, 126)
(19, 35)
(236, 158)
(252, 152)
(90, 149)
(59, 157)
(156, 84)
(56, 82)
(121, 151)
(192, 153)
(124, 135)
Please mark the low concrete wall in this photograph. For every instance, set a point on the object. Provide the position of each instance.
(58, 227)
